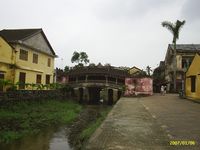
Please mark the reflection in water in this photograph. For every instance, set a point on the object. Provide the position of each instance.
(59, 141)
(49, 139)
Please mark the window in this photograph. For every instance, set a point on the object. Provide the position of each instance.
(38, 79)
(47, 79)
(35, 58)
(22, 80)
(186, 62)
(49, 62)
(23, 55)
(193, 83)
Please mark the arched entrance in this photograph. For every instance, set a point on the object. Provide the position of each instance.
(80, 95)
(94, 95)
(110, 96)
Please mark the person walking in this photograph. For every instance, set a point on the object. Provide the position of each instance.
(162, 90)
(165, 89)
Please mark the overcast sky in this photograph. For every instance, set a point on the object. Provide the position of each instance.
(119, 32)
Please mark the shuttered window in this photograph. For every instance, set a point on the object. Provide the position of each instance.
(47, 79)
(35, 58)
(38, 78)
(49, 62)
(23, 55)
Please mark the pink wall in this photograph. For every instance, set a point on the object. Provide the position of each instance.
(136, 86)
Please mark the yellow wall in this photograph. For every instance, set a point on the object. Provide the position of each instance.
(10, 56)
(134, 70)
(5, 52)
(6, 59)
(193, 70)
(31, 69)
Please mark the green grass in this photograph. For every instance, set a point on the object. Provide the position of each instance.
(87, 132)
(24, 118)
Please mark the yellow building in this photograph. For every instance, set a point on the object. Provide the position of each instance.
(192, 83)
(184, 56)
(134, 71)
(26, 56)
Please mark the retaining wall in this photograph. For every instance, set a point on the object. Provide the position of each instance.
(33, 95)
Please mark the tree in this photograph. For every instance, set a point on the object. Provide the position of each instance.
(75, 57)
(148, 69)
(84, 57)
(79, 58)
(5, 83)
(174, 28)
(158, 78)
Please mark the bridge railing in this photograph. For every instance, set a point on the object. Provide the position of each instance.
(96, 81)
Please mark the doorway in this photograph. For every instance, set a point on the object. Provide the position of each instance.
(1, 78)
(94, 95)
(22, 80)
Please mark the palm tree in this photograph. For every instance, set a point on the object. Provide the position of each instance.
(148, 69)
(174, 28)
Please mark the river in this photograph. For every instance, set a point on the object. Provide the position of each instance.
(57, 138)
(51, 138)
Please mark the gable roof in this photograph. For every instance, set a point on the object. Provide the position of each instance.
(13, 35)
(17, 35)
(7, 42)
(134, 71)
(194, 67)
(134, 67)
(186, 47)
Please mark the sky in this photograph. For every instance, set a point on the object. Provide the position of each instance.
(119, 32)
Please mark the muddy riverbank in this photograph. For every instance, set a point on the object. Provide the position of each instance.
(71, 136)
(87, 122)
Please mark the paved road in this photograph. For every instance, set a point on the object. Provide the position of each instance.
(149, 123)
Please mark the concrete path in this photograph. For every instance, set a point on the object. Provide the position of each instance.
(148, 123)
(180, 118)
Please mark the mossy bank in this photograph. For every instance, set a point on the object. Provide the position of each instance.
(86, 124)
(18, 119)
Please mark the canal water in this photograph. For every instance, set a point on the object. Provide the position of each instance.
(49, 139)
(58, 138)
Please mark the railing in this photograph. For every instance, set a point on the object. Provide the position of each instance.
(96, 81)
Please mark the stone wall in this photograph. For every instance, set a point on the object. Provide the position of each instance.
(82, 95)
(33, 95)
